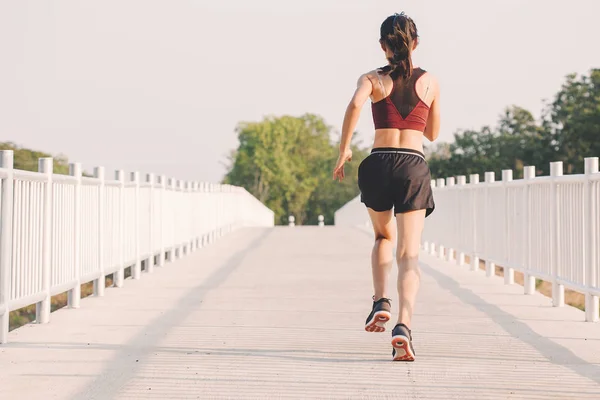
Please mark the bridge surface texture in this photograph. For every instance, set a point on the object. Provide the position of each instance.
(279, 313)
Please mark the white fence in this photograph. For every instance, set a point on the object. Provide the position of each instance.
(545, 227)
(58, 232)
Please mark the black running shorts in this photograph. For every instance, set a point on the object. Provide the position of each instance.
(398, 178)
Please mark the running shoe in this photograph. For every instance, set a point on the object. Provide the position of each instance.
(402, 344)
(380, 314)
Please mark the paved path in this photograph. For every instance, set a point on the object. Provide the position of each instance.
(279, 314)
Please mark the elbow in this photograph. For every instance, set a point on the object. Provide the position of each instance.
(354, 105)
(431, 135)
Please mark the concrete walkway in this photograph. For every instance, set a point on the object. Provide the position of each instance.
(279, 313)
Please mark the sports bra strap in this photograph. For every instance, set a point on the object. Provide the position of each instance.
(427, 90)
(381, 84)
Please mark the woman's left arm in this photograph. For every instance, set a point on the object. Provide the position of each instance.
(363, 91)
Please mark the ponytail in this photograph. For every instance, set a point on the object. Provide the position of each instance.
(398, 33)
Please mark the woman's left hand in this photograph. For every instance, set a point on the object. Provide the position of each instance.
(338, 171)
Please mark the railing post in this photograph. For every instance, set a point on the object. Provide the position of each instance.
(42, 309)
(180, 240)
(182, 185)
(509, 273)
(136, 269)
(207, 216)
(6, 225)
(591, 220)
(210, 216)
(174, 253)
(200, 207)
(196, 222)
(321, 220)
(219, 196)
(189, 211)
(460, 259)
(490, 267)
(227, 210)
(203, 214)
(190, 216)
(441, 183)
(219, 188)
(199, 220)
(197, 206)
(474, 180)
(163, 188)
(210, 203)
(74, 295)
(100, 283)
(186, 244)
(150, 261)
(291, 221)
(528, 279)
(558, 290)
(221, 210)
(119, 275)
(169, 213)
(451, 182)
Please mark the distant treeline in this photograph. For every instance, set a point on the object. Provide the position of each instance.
(569, 131)
(286, 162)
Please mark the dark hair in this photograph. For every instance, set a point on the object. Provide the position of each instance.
(398, 33)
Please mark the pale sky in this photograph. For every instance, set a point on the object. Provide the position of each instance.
(159, 85)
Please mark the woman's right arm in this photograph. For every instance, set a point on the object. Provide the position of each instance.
(361, 94)
(432, 129)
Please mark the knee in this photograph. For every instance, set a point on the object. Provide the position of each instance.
(408, 258)
(381, 239)
(382, 236)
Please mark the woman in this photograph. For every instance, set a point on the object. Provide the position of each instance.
(394, 179)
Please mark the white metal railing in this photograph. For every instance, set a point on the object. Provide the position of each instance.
(58, 232)
(545, 227)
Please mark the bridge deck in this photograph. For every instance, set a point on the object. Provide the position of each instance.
(278, 313)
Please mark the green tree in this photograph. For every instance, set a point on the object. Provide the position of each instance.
(574, 120)
(522, 141)
(286, 162)
(27, 160)
(568, 132)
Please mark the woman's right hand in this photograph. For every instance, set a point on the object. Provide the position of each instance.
(338, 171)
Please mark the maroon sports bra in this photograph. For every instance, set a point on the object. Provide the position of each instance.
(402, 108)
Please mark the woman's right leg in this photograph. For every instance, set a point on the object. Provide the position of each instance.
(410, 228)
(382, 257)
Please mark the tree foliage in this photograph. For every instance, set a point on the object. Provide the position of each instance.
(568, 132)
(286, 162)
(27, 160)
(574, 120)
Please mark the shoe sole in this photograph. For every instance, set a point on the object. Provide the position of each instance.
(403, 351)
(378, 321)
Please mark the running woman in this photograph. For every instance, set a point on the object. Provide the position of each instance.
(394, 180)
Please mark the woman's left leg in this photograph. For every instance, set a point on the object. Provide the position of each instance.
(382, 256)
